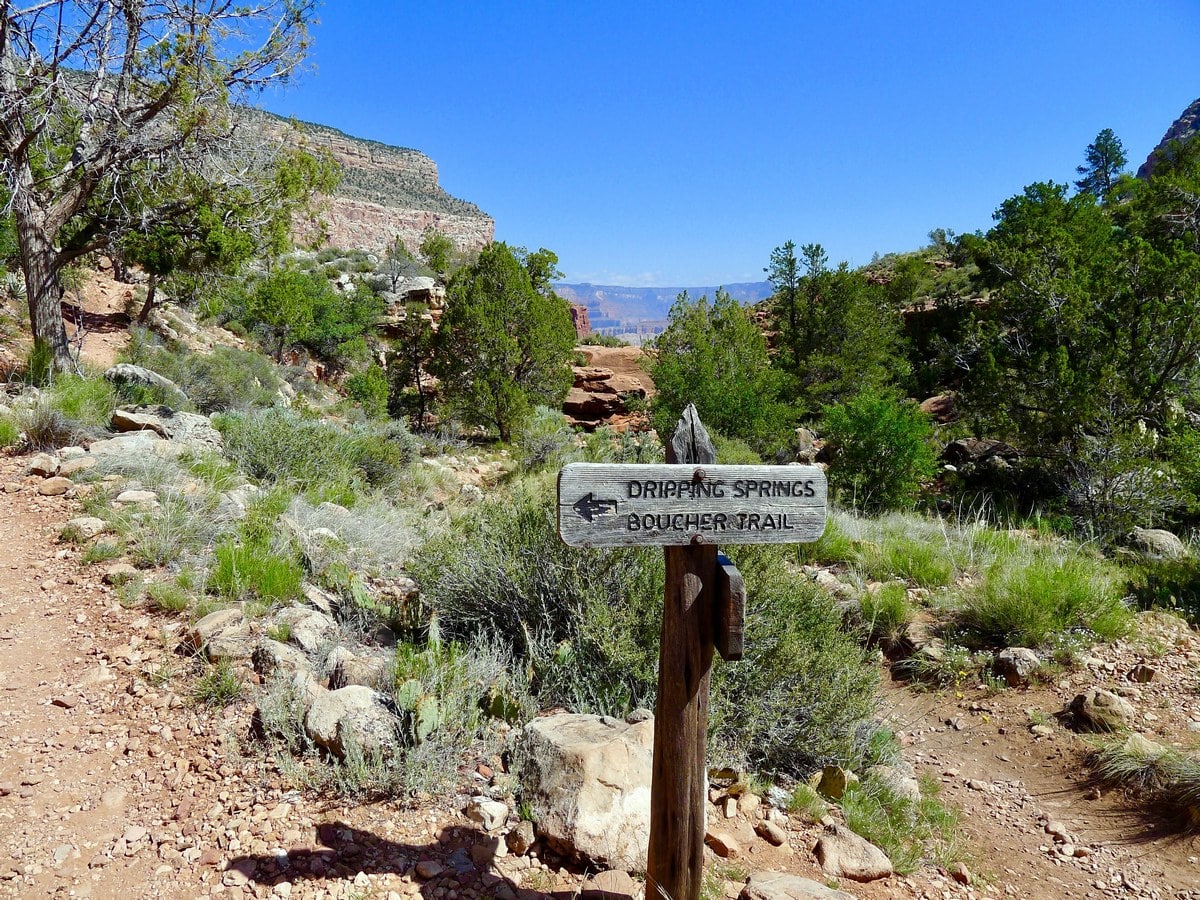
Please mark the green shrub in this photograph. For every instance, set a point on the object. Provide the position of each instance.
(833, 546)
(585, 622)
(734, 452)
(881, 451)
(804, 692)
(225, 379)
(277, 445)
(545, 440)
(168, 596)
(604, 340)
(369, 388)
(1028, 599)
(219, 686)
(1167, 583)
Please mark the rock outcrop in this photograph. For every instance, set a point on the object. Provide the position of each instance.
(603, 388)
(1182, 129)
(385, 192)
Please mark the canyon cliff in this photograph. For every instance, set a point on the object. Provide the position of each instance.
(385, 191)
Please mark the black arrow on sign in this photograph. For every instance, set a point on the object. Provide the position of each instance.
(589, 507)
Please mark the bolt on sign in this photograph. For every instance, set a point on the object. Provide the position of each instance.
(602, 505)
(688, 506)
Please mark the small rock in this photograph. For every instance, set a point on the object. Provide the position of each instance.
(1142, 673)
(748, 804)
(960, 873)
(771, 833)
(136, 497)
(55, 487)
(520, 839)
(75, 466)
(119, 573)
(44, 465)
(1016, 665)
(427, 869)
(723, 844)
(611, 885)
(1101, 710)
(491, 814)
(88, 527)
(730, 807)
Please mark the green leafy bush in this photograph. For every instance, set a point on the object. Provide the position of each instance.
(881, 451)
(225, 379)
(369, 388)
(585, 624)
(1027, 599)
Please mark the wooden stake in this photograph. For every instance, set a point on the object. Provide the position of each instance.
(679, 787)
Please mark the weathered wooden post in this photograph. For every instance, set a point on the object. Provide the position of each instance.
(675, 864)
(687, 506)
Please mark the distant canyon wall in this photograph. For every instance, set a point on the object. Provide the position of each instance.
(385, 192)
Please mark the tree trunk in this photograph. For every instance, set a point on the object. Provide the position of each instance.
(151, 287)
(39, 262)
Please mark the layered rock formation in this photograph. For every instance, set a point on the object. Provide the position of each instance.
(1182, 129)
(603, 387)
(385, 192)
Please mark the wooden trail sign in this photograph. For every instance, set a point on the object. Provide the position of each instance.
(687, 506)
(601, 505)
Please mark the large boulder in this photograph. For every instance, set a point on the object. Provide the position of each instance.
(1158, 544)
(124, 373)
(588, 780)
(353, 716)
(135, 447)
(192, 430)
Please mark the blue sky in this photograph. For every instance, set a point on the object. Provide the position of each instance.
(675, 144)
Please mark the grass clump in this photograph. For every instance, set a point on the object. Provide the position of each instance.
(803, 693)
(47, 428)
(907, 829)
(916, 559)
(168, 597)
(10, 433)
(256, 562)
(1028, 599)
(806, 801)
(219, 686)
(886, 611)
(88, 401)
(103, 551)
(1164, 776)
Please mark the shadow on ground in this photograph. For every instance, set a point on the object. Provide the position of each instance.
(461, 859)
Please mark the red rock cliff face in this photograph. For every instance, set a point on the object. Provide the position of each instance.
(579, 318)
(385, 192)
